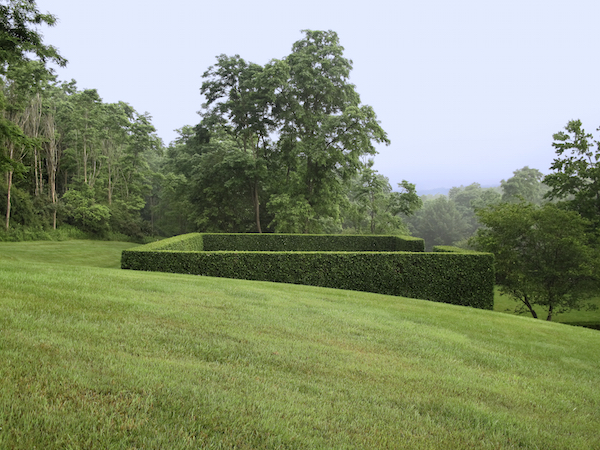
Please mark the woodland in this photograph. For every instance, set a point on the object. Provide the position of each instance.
(284, 147)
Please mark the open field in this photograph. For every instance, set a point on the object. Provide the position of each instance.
(96, 357)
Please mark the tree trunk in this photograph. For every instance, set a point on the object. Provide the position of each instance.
(84, 163)
(550, 309)
(52, 160)
(9, 179)
(256, 206)
(531, 310)
(34, 129)
(8, 188)
(110, 186)
(36, 173)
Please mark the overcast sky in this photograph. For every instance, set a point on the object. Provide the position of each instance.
(467, 90)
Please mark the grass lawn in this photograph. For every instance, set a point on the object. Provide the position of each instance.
(97, 357)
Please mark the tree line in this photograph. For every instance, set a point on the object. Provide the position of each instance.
(284, 147)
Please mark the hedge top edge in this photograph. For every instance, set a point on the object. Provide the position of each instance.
(287, 242)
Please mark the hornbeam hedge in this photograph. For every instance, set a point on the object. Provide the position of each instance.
(362, 263)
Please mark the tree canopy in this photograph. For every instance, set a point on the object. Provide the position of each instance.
(576, 176)
(19, 36)
(279, 147)
(525, 185)
(282, 142)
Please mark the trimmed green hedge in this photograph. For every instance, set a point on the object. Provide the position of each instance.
(458, 278)
(246, 242)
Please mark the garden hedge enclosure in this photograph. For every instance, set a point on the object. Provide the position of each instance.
(395, 265)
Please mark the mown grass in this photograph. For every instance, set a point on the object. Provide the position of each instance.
(94, 357)
(105, 254)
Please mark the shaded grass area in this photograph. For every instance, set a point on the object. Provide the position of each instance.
(584, 317)
(103, 358)
(76, 252)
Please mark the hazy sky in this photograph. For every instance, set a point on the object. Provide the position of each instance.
(467, 90)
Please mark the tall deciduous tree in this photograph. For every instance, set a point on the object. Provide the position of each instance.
(287, 136)
(543, 256)
(374, 208)
(324, 132)
(239, 100)
(576, 177)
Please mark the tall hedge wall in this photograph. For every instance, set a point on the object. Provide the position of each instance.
(457, 278)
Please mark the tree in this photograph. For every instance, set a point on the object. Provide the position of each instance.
(324, 131)
(286, 137)
(240, 97)
(86, 127)
(576, 179)
(19, 37)
(469, 198)
(374, 208)
(525, 185)
(543, 255)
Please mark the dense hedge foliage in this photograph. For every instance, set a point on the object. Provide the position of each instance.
(268, 242)
(457, 278)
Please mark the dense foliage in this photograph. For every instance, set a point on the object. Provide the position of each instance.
(272, 242)
(89, 166)
(576, 176)
(282, 147)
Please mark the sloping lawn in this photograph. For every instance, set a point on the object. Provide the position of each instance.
(96, 357)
